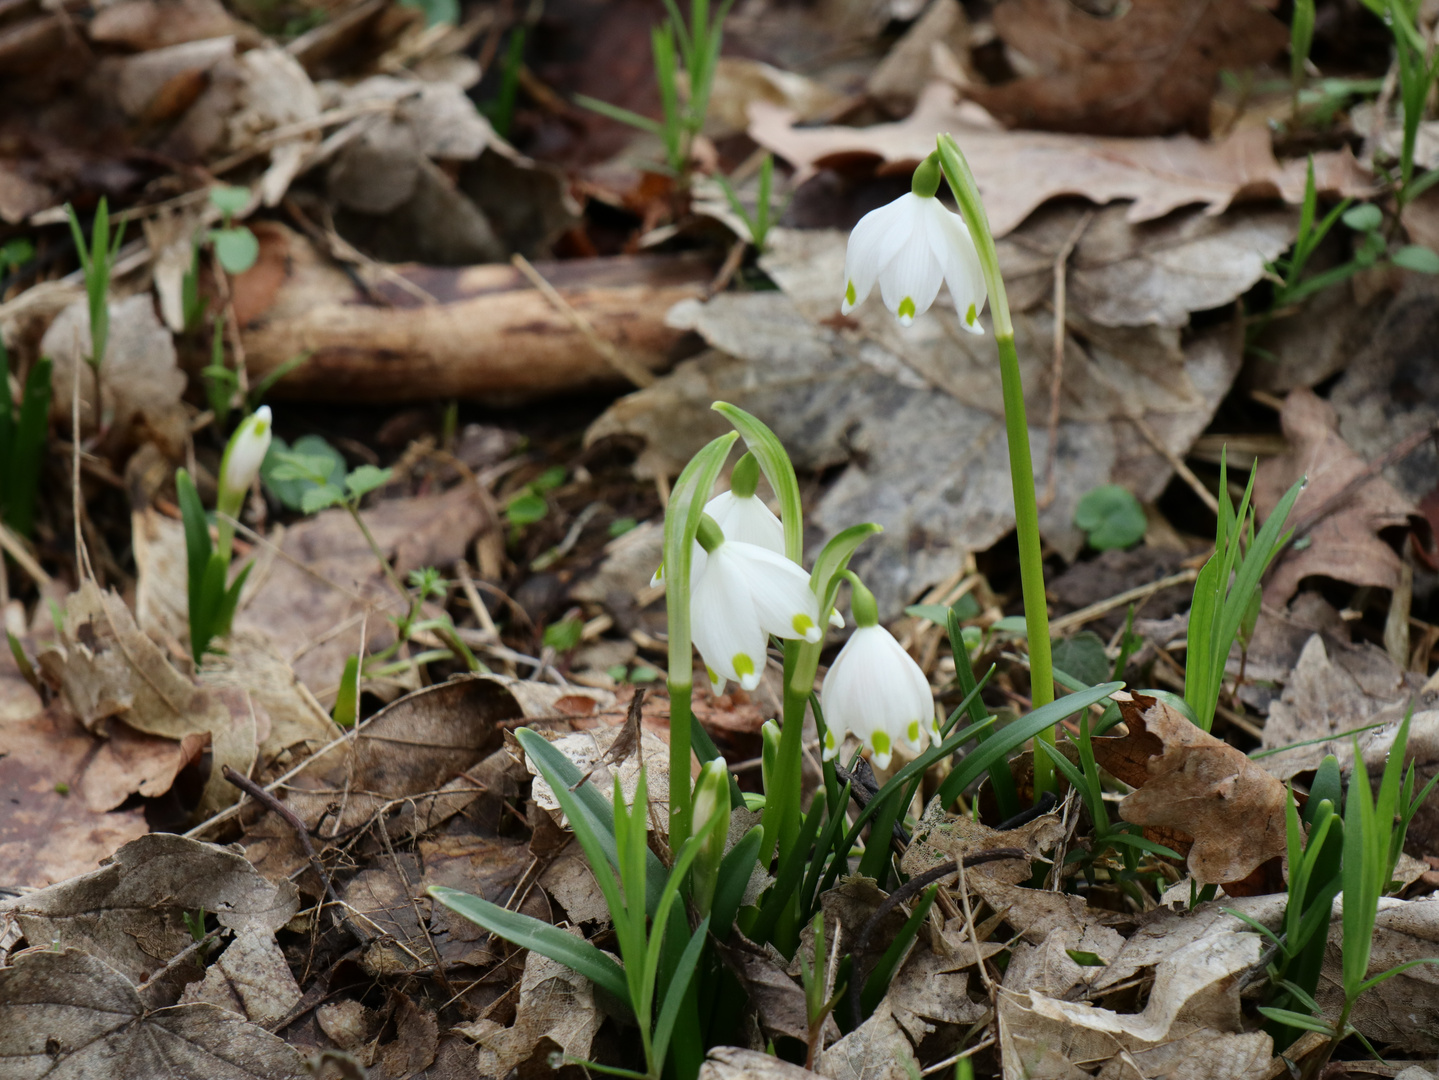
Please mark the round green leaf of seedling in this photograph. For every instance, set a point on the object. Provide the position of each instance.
(1366, 217)
(237, 249)
(620, 526)
(366, 479)
(1417, 257)
(1367, 252)
(526, 509)
(564, 635)
(1112, 517)
(229, 200)
(550, 479)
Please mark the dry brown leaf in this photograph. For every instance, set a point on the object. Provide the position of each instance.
(1151, 68)
(410, 758)
(588, 750)
(876, 1050)
(1347, 543)
(1018, 170)
(555, 1003)
(310, 599)
(20, 196)
(63, 1013)
(936, 46)
(130, 912)
(777, 999)
(144, 25)
(251, 977)
(1190, 781)
(46, 835)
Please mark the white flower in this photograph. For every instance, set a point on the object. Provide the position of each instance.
(909, 247)
(876, 690)
(246, 451)
(740, 517)
(746, 518)
(741, 595)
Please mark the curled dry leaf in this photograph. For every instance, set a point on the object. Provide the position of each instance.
(1344, 511)
(1198, 785)
(940, 837)
(63, 1013)
(587, 749)
(1150, 69)
(1192, 1012)
(106, 666)
(130, 912)
(1018, 170)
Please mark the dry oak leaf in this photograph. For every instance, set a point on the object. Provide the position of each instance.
(1018, 170)
(68, 1016)
(1189, 781)
(1358, 507)
(1151, 70)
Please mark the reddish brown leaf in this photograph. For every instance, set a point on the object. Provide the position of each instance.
(1150, 71)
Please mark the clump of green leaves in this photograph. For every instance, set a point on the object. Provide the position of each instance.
(212, 599)
(22, 442)
(693, 62)
(1111, 517)
(1373, 831)
(1226, 593)
(96, 262)
(762, 220)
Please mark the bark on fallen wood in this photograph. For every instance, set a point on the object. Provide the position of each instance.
(489, 335)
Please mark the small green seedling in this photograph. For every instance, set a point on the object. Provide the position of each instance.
(96, 263)
(236, 246)
(15, 253)
(1111, 517)
(762, 220)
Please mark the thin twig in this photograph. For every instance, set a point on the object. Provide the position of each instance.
(15, 548)
(629, 368)
(419, 915)
(302, 833)
(1104, 607)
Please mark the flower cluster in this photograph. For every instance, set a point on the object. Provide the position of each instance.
(744, 589)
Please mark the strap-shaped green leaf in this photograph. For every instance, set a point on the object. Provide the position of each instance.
(530, 933)
(735, 870)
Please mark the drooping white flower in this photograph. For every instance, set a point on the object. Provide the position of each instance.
(741, 595)
(746, 518)
(246, 451)
(875, 690)
(910, 246)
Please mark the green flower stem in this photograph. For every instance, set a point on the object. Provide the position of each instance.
(682, 522)
(1016, 425)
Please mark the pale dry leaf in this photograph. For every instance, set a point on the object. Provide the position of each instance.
(1347, 543)
(1189, 781)
(1016, 171)
(1049, 969)
(1123, 273)
(21, 196)
(1150, 68)
(930, 993)
(143, 25)
(66, 1014)
(1332, 691)
(736, 1063)
(931, 468)
(1037, 913)
(876, 1050)
(289, 714)
(142, 381)
(143, 81)
(589, 748)
(936, 46)
(941, 837)
(740, 82)
(130, 911)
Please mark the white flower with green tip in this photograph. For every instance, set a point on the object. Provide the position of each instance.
(741, 595)
(875, 691)
(911, 246)
(246, 451)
